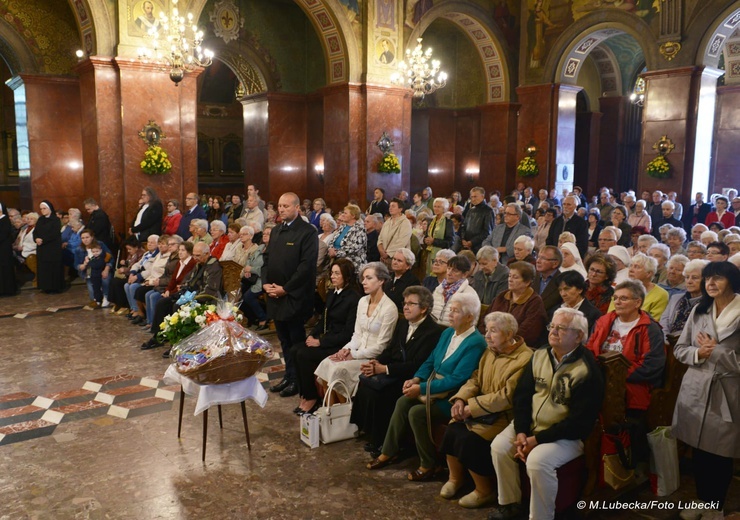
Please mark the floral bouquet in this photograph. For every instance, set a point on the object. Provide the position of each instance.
(192, 316)
(389, 163)
(659, 168)
(156, 161)
(528, 167)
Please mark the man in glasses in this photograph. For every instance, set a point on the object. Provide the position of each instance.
(556, 404)
(193, 212)
(504, 235)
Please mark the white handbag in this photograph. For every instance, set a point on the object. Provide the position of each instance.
(334, 422)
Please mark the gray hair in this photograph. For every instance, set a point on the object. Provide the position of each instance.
(408, 255)
(177, 238)
(610, 229)
(247, 229)
(648, 263)
(330, 219)
(699, 226)
(381, 271)
(640, 202)
(662, 248)
(219, 224)
(697, 245)
(697, 264)
(200, 223)
(527, 242)
(678, 259)
(709, 234)
(634, 286)
(665, 228)
(469, 304)
(677, 232)
(567, 236)
(487, 253)
(577, 321)
(505, 322)
(32, 215)
(446, 254)
(647, 239)
(74, 213)
(371, 217)
(153, 237)
(444, 201)
(668, 204)
(517, 207)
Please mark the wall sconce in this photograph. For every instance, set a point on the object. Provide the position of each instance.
(471, 174)
(319, 168)
(531, 149)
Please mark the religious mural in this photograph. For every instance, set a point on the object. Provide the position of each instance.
(143, 17)
(547, 19)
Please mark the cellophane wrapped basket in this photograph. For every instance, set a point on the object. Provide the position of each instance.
(223, 352)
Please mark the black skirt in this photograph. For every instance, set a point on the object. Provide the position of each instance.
(472, 450)
(372, 409)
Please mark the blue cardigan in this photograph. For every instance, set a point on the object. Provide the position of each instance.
(456, 369)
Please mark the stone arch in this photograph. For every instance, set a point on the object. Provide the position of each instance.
(567, 54)
(16, 52)
(608, 66)
(334, 30)
(478, 25)
(98, 32)
(713, 42)
(247, 65)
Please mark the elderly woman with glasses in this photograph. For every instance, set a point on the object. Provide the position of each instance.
(629, 330)
(656, 298)
(439, 269)
(481, 409)
(401, 277)
(601, 272)
(451, 364)
(708, 407)
(679, 307)
(454, 282)
(381, 381)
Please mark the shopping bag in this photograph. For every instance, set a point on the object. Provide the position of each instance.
(664, 476)
(334, 422)
(310, 430)
(617, 468)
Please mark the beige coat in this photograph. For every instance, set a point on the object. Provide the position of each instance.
(395, 234)
(491, 388)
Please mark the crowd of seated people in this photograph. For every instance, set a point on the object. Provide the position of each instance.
(533, 270)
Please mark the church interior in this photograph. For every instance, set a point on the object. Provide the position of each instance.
(297, 97)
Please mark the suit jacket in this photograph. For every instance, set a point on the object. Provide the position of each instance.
(403, 358)
(551, 295)
(187, 217)
(688, 216)
(494, 239)
(489, 287)
(290, 262)
(394, 288)
(205, 278)
(576, 225)
(99, 224)
(335, 328)
(661, 222)
(151, 221)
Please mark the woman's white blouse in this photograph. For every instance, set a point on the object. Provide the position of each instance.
(373, 333)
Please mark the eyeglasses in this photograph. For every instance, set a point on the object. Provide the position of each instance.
(439, 262)
(511, 214)
(607, 240)
(559, 328)
(410, 304)
(596, 271)
(547, 259)
(623, 298)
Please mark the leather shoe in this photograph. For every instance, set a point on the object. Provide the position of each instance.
(166, 354)
(376, 463)
(370, 447)
(422, 476)
(508, 512)
(280, 386)
(290, 390)
(138, 320)
(298, 410)
(152, 343)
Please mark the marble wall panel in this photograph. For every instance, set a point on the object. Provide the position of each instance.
(537, 117)
(727, 139)
(55, 140)
(442, 142)
(287, 144)
(498, 135)
(467, 150)
(611, 136)
(586, 153)
(314, 147)
(419, 151)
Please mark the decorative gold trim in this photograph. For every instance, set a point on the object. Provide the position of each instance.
(152, 133)
(664, 146)
(670, 49)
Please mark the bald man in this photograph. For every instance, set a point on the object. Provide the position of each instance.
(192, 212)
(289, 279)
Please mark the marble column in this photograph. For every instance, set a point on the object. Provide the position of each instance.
(498, 146)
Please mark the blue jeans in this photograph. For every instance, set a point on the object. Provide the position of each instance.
(252, 302)
(91, 290)
(152, 297)
(130, 290)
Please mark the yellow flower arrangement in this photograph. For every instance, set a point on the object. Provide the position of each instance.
(389, 164)
(156, 161)
(659, 168)
(528, 167)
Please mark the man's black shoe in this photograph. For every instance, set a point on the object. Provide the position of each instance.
(280, 386)
(152, 343)
(166, 354)
(290, 390)
(508, 512)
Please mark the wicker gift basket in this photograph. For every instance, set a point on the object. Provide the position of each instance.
(221, 352)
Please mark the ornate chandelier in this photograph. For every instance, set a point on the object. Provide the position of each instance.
(172, 49)
(416, 72)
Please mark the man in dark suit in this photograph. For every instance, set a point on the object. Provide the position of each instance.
(666, 217)
(697, 212)
(547, 279)
(478, 222)
(569, 221)
(99, 223)
(288, 280)
(414, 339)
(193, 212)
